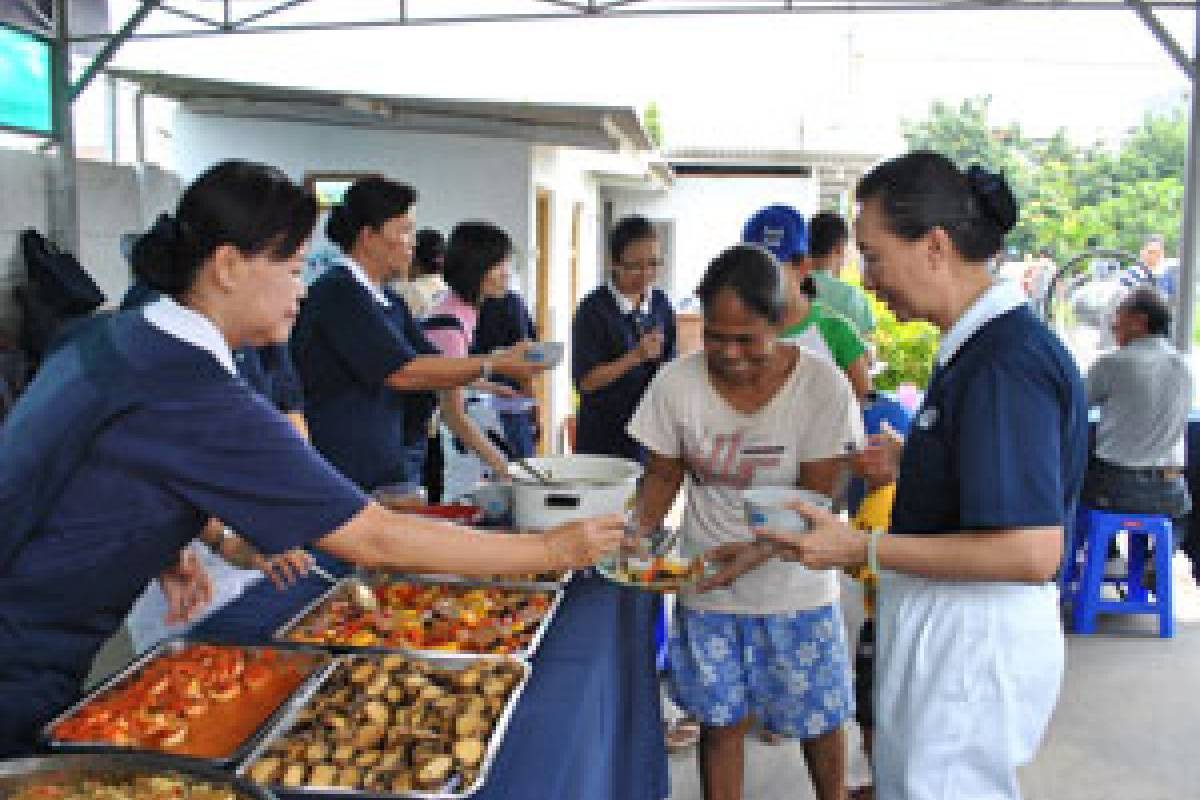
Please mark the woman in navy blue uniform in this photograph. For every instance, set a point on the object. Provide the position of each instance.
(366, 367)
(970, 644)
(138, 430)
(622, 333)
(504, 322)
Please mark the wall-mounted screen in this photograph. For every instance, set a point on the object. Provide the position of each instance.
(24, 82)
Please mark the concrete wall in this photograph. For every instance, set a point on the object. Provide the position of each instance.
(112, 200)
(708, 214)
(458, 177)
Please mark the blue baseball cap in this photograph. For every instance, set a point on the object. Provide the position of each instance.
(779, 228)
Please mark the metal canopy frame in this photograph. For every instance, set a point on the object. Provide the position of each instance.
(278, 16)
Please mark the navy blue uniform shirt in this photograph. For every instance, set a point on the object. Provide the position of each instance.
(1001, 439)
(601, 333)
(345, 345)
(267, 369)
(139, 492)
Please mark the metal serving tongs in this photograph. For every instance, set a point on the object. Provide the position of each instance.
(360, 594)
(503, 446)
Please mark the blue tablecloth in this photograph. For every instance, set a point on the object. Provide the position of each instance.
(589, 725)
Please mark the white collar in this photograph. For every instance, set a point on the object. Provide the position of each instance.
(360, 275)
(626, 305)
(190, 327)
(1001, 298)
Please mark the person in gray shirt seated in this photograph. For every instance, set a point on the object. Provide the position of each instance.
(1143, 391)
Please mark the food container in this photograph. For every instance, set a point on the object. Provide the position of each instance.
(548, 353)
(217, 719)
(393, 729)
(580, 486)
(765, 507)
(335, 609)
(539, 581)
(494, 499)
(66, 768)
(451, 512)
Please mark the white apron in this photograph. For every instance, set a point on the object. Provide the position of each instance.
(966, 678)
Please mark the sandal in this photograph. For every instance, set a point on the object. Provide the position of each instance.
(681, 735)
(862, 793)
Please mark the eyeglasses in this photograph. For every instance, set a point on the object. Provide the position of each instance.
(639, 266)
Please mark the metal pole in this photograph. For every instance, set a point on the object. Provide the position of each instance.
(113, 45)
(64, 204)
(1188, 255)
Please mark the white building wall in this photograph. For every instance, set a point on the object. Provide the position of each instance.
(112, 200)
(708, 214)
(457, 177)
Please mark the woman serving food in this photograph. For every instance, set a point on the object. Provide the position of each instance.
(138, 430)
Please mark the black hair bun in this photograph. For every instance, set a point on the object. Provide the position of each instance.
(996, 200)
(155, 257)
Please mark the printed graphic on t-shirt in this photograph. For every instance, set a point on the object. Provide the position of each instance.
(729, 459)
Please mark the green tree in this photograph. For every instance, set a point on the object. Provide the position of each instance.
(965, 134)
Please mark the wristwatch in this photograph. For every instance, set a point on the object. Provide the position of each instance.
(485, 370)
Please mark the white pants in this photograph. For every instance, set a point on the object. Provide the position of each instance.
(966, 678)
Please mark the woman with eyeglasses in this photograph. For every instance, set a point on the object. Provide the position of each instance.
(623, 332)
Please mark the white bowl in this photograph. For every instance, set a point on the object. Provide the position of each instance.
(548, 353)
(495, 499)
(765, 507)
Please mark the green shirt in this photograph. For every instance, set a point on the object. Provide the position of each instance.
(847, 299)
(836, 332)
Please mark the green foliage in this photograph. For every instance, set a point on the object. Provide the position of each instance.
(907, 348)
(1071, 197)
(652, 119)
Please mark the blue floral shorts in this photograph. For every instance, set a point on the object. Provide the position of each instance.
(791, 671)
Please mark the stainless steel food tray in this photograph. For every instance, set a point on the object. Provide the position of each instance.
(17, 773)
(323, 663)
(340, 589)
(499, 582)
(451, 791)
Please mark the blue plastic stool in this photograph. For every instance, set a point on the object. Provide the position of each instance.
(1083, 573)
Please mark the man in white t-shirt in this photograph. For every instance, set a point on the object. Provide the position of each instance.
(751, 411)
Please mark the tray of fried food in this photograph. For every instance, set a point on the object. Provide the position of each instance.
(421, 617)
(121, 776)
(184, 698)
(394, 726)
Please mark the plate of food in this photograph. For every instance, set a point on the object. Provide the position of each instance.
(667, 574)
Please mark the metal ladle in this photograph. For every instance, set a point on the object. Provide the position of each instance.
(360, 594)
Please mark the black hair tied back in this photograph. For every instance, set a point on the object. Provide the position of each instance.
(996, 201)
(156, 254)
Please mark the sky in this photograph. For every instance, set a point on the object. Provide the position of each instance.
(840, 82)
